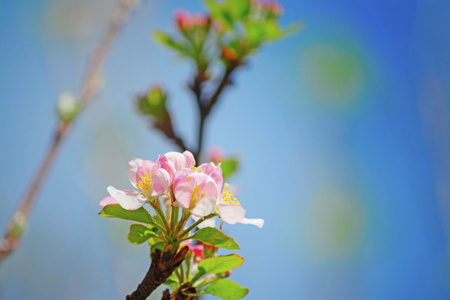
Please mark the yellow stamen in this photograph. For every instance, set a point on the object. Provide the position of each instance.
(227, 196)
(145, 185)
(194, 168)
(196, 194)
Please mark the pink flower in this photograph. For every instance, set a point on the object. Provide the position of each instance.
(175, 161)
(196, 191)
(147, 176)
(212, 170)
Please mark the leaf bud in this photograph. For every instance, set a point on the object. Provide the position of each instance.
(153, 103)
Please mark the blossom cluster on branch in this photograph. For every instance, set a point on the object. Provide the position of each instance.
(218, 43)
(171, 183)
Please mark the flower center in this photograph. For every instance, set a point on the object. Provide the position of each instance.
(227, 196)
(196, 195)
(194, 168)
(146, 185)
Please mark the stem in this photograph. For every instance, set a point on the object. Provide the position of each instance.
(161, 216)
(174, 218)
(89, 88)
(184, 219)
(205, 105)
(182, 273)
(179, 277)
(197, 223)
(188, 268)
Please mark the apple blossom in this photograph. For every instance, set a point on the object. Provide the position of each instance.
(148, 177)
(195, 191)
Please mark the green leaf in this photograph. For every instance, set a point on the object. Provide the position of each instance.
(166, 40)
(225, 289)
(272, 30)
(159, 246)
(139, 234)
(228, 166)
(117, 211)
(153, 240)
(238, 9)
(254, 32)
(219, 12)
(215, 237)
(220, 264)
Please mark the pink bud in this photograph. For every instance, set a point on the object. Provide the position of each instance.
(197, 250)
(216, 154)
(201, 20)
(184, 19)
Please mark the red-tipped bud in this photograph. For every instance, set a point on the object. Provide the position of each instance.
(273, 6)
(216, 154)
(201, 20)
(229, 54)
(184, 19)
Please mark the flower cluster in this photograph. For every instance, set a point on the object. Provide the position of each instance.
(175, 177)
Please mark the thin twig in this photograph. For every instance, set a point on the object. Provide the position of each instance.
(89, 88)
(205, 105)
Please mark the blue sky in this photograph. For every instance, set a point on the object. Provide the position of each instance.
(343, 131)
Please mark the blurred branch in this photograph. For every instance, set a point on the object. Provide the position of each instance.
(205, 105)
(89, 89)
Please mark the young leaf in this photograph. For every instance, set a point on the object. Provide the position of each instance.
(215, 237)
(225, 289)
(238, 9)
(228, 166)
(139, 234)
(153, 240)
(116, 211)
(168, 41)
(220, 264)
(159, 246)
(272, 30)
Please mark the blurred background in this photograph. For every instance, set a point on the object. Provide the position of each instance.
(343, 130)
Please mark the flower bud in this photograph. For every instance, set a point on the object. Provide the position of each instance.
(197, 251)
(184, 20)
(273, 7)
(67, 106)
(201, 20)
(216, 154)
(229, 54)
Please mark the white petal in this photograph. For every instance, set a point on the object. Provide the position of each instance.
(208, 223)
(231, 213)
(133, 165)
(161, 181)
(131, 200)
(257, 222)
(177, 160)
(204, 207)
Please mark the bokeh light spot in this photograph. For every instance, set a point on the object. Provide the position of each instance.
(333, 73)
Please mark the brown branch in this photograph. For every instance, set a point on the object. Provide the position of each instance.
(163, 264)
(182, 293)
(165, 126)
(89, 88)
